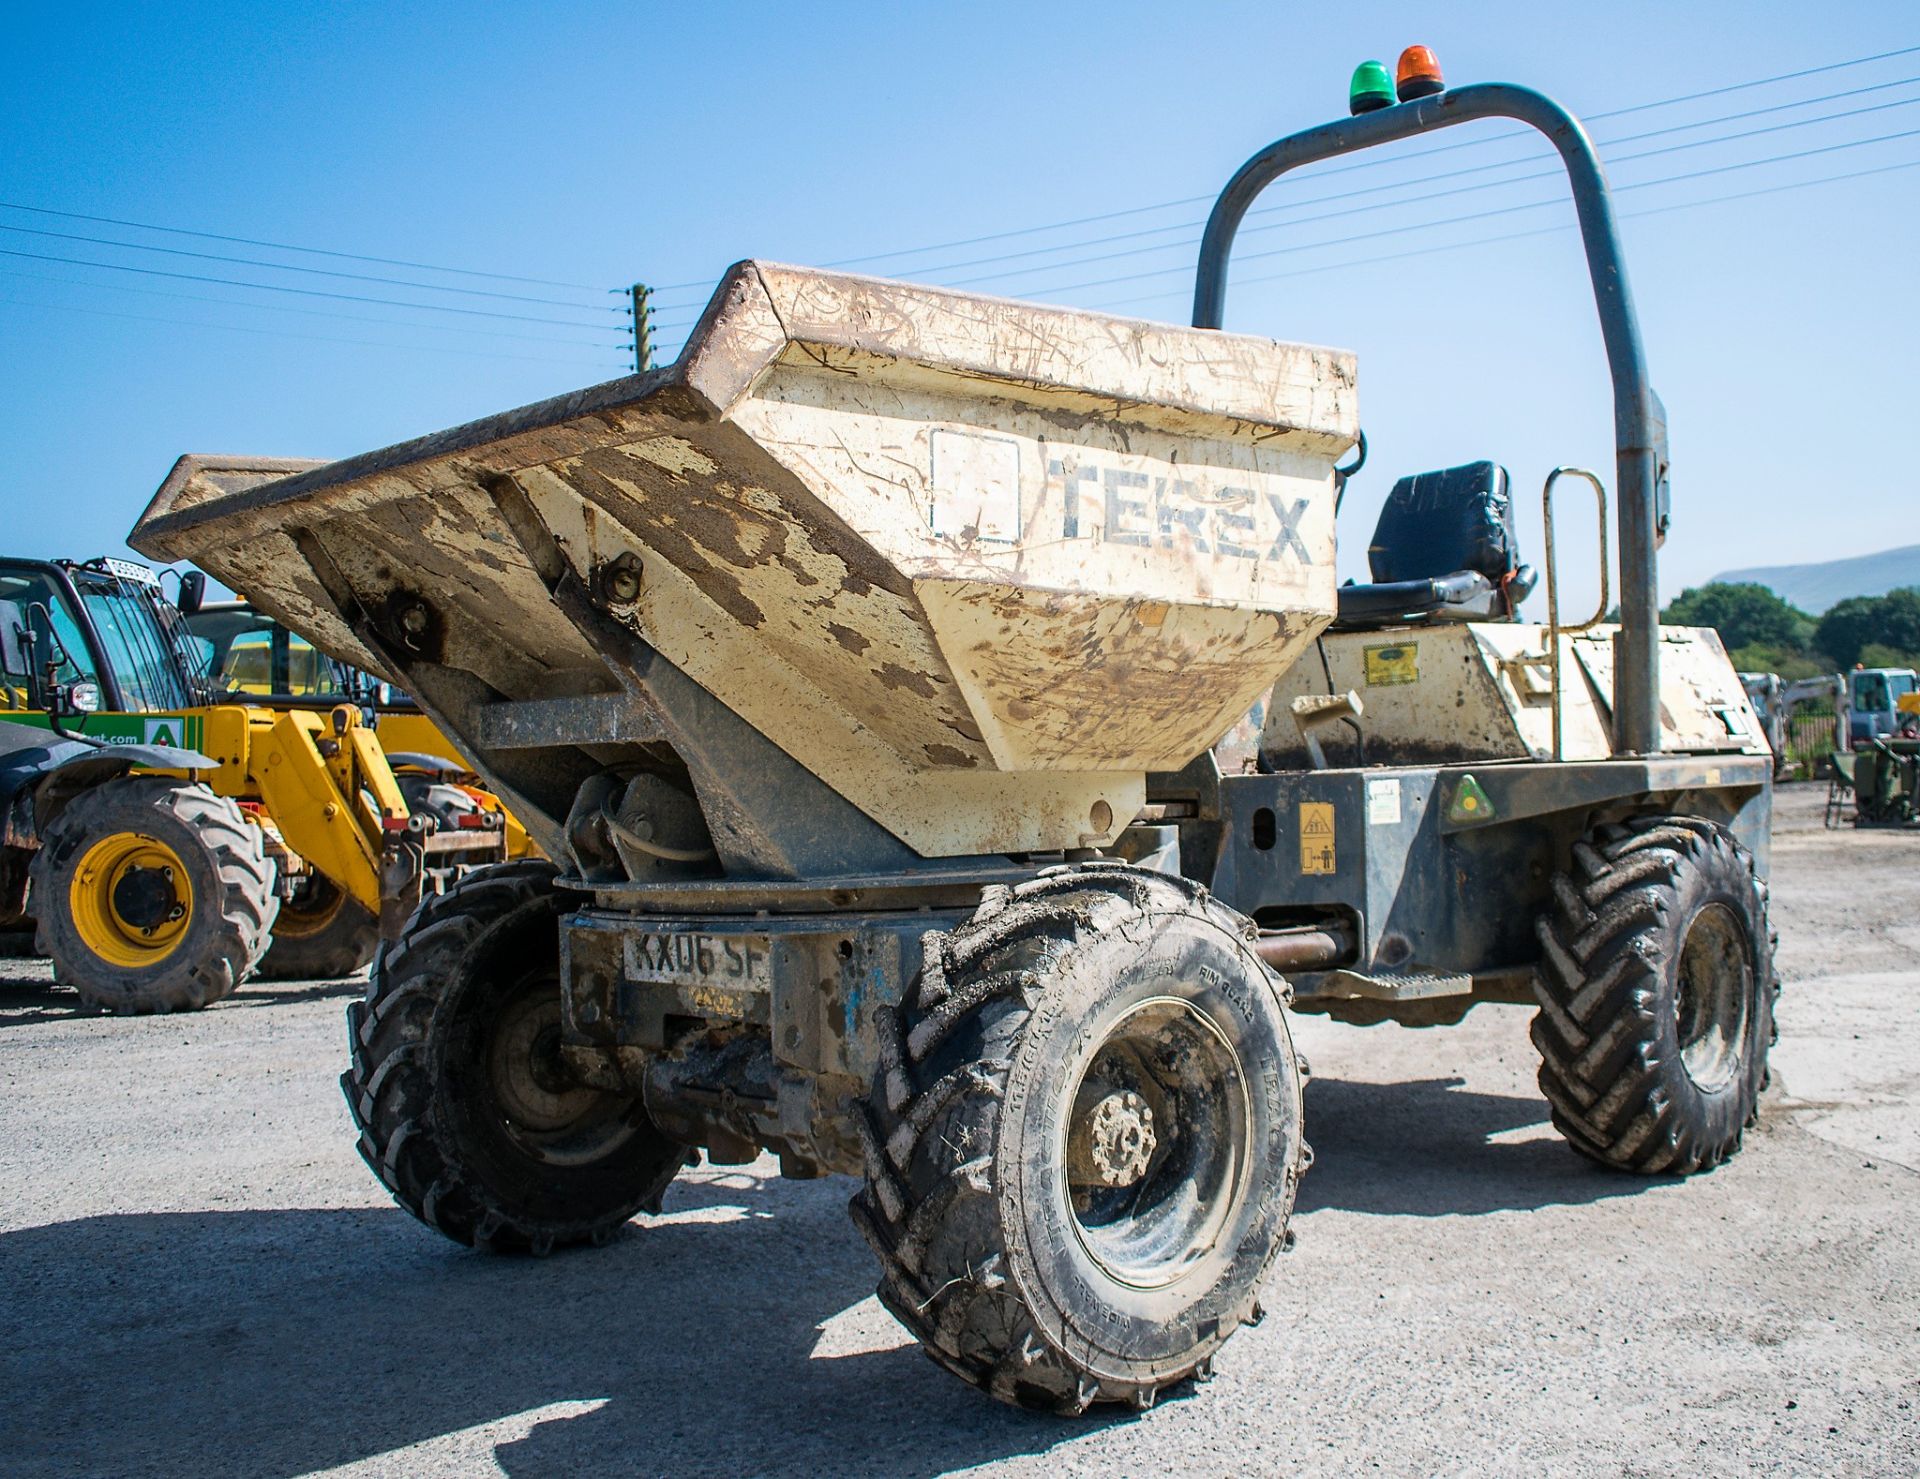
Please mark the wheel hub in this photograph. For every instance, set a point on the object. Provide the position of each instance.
(1157, 1153)
(1112, 1144)
(144, 897)
(529, 1076)
(131, 900)
(1712, 999)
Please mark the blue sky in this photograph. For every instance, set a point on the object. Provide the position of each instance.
(591, 145)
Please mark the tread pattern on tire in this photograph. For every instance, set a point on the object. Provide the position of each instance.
(1609, 1092)
(943, 1274)
(237, 852)
(388, 1087)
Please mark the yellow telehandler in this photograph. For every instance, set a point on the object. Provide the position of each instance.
(165, 843)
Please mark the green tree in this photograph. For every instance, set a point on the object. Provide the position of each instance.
(1847, 627)
(1879, 655)
(1744, 613)
(1786, 662)
(1851, 626)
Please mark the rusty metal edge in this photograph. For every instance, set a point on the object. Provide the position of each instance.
(743, 289)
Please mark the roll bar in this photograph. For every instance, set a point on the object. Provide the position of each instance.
(1639, 420)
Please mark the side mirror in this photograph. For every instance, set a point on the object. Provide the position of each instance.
(43, 656)
(193, 591)
(16, 656)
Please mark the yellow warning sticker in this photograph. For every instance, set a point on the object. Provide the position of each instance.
(1395, 663)
(1316, 837)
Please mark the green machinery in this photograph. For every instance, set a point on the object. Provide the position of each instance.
(1884, 774)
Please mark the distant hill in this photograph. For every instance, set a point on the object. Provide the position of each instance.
(1813, 588)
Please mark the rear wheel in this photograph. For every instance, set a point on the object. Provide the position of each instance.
(466, 1109)
(1084, 1142)
(152, 895)
(1656, 993)
(322, 934)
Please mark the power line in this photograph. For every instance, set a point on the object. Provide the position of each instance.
(1185, 268)
(281, 334)
(1297, 203)
(1546, 174)
(425, 287)
(1350, 167)
(1506, 236)
(281, 246)
(1691, 97)
(268, 287)
(326, 313)
(1311, 246)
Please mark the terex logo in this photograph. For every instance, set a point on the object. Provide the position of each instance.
(980, 493)
(1125, 506)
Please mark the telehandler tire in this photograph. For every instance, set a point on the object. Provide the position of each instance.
(465, 1108)
(322, 934)
(1656, 992)
(152, 895)
(1084, 1139)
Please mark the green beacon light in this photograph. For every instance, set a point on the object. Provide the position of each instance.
(1372, 88)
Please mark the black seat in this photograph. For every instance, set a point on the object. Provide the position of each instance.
(1444, 550)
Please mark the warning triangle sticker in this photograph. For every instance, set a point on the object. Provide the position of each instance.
(1470, 803)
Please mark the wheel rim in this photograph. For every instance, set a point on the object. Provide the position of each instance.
(1714, 995)
(131, 900)
(544, 1109)
(1157, 1155)
(315, 904)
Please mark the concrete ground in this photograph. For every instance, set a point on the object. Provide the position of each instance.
(197, 1276)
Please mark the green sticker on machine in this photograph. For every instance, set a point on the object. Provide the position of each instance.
(1395, 663)
(1470, 803)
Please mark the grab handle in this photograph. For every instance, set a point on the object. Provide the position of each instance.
(1554, 630)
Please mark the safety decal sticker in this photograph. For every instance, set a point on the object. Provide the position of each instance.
(1316, 837)
(1398, 662)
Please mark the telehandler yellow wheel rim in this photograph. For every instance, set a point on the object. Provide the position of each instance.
(315, 905)
(131, 900)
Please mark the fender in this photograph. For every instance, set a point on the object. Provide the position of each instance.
(46, 773)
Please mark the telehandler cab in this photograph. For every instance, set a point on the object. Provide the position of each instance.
(862, 672)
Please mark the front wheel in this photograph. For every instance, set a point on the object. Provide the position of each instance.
(1656, 991)
(152, 895)
(1084, 1142)
(323, 934)
(467, 1112)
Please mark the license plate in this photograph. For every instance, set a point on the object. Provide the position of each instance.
(686, 958)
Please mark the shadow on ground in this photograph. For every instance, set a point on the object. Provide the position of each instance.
(273, 1343)
(1428, 1149)
(286, 993)
(277, 1342)
(28, 994)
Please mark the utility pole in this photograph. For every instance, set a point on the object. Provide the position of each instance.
(640, 305)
